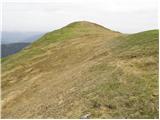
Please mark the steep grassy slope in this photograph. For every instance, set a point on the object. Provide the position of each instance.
(83, 70)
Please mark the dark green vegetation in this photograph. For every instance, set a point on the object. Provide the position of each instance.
(83, 70)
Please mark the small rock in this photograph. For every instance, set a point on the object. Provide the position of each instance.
(86, 116)
(60, 102)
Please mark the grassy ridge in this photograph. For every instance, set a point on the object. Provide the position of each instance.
(83, 70)
(71, 31)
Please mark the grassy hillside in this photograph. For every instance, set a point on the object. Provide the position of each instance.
(83, 71)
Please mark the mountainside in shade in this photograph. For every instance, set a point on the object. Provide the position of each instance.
(12, 48)
(83, 71)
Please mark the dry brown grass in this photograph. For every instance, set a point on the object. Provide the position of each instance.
(79, 76)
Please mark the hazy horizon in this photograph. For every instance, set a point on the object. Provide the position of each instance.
(72, 22)
(43, 16)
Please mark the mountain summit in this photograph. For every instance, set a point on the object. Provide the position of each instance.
(83, 70)
(75, 30)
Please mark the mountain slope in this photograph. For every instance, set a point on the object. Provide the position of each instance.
(12, 48)
(83, 71)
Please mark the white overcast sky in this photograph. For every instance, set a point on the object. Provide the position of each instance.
(127, 16)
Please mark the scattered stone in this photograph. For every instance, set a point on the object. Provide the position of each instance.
(86, 116)
(60, 102)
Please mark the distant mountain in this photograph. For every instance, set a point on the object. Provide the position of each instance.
(18, 37)
(83, 70)
(12, 48)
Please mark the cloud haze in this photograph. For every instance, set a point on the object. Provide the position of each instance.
(126, 16)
